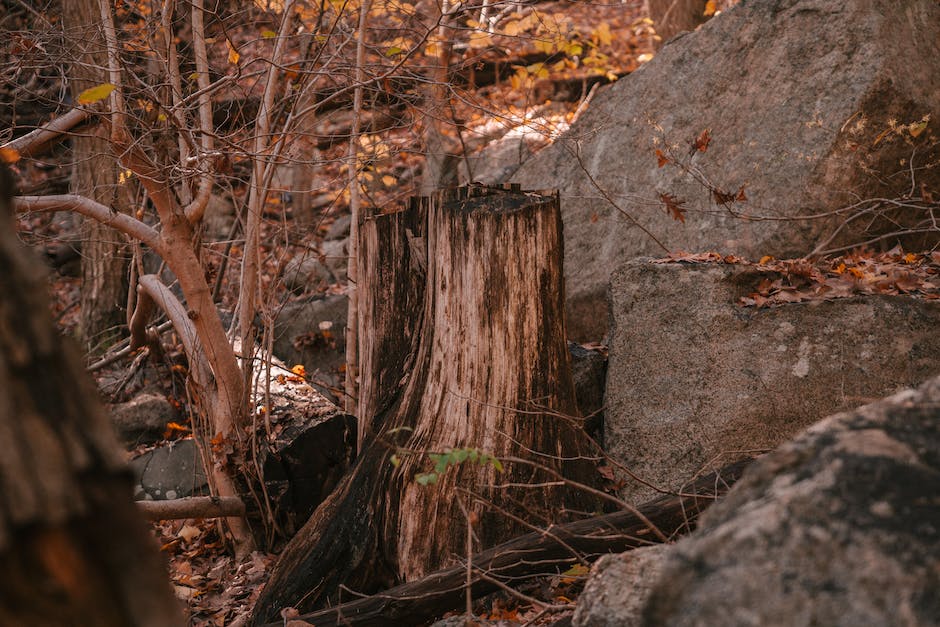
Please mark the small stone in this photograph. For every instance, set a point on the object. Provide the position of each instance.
(143, 419)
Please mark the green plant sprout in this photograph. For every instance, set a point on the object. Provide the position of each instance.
(452, 457)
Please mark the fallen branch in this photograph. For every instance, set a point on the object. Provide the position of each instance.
(194, 507)
(530, 555)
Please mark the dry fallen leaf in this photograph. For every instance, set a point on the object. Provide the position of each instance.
(673, 206)
(189, 532)
(661, 159)
(700, 144)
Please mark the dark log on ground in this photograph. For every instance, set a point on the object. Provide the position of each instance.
(462, 345)
(195, 507)
(535, 554)
(73, 548)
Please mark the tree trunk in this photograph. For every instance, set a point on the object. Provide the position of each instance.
(95, 175)
(463, 347)
(73, 548)
(671, 17)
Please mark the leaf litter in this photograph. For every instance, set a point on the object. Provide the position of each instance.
(893, 273)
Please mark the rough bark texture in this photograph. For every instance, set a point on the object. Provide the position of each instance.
(73, 549)
(95, 175)
(463, 346)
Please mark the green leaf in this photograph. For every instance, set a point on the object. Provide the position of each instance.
(95, 94)
(268, 33)
(426, 478)
(498, 465)
(396, 461)
(394, 50)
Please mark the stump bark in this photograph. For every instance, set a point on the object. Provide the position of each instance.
(73, 548)
(462, 346)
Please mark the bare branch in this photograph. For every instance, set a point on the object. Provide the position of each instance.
(114, 71)
(35, 141)
(258, 191)
(194, 507)
(194, 210)
(94, 210)
(153, 287)
(139, 319)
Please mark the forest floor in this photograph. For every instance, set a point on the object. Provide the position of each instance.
(217, 590)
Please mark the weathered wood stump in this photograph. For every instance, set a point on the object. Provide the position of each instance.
(462, 346)
(73, 549)
(555, 549)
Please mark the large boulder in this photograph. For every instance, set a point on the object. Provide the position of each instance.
(840, 526)
(696, 379)
(804, 100)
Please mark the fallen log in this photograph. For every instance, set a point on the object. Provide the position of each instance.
(546, 552)
(194, 507)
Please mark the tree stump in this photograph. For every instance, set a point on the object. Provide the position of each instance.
(73, 548)
(462, 347)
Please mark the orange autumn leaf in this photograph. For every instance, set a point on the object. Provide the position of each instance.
(9, 155)
(661, 159)
(233, 55)
(701, 142)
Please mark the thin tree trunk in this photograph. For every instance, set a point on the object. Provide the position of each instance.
(463, 340)
(105, 255)
(671, 17)
(73, 548)
(351, 384)
(440, 169)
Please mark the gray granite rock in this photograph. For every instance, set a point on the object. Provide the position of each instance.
(170, 471)
(618, 587)
(840, 527)
(143, 419)
(799, 97)
(694, 379)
